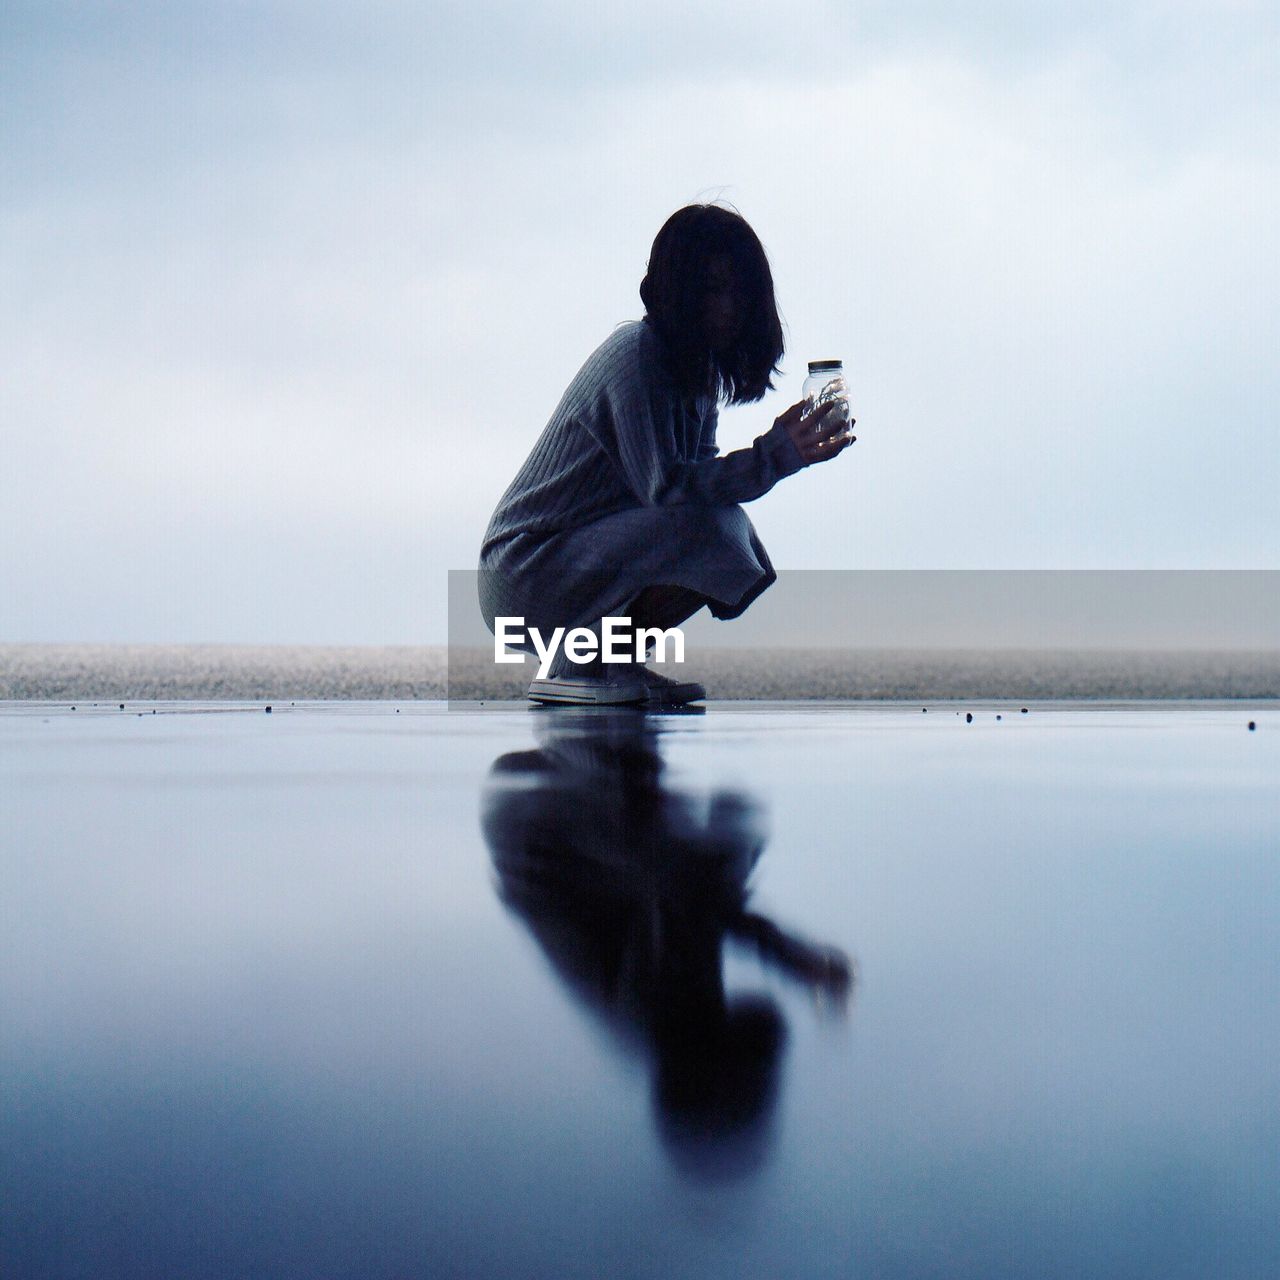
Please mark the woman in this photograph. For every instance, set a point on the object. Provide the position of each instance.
(625, 507)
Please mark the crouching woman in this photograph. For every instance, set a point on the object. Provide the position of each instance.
(625, 507)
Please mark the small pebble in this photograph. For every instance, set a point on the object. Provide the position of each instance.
(1252, 726)
(968, 717)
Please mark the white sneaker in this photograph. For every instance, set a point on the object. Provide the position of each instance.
(618, 687)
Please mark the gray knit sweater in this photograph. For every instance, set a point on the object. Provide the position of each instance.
(622, 436)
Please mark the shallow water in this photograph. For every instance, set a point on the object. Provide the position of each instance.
(348, 990)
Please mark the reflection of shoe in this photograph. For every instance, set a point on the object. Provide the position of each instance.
(615, 688)
(671, 693)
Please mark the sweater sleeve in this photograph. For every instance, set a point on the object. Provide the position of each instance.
(642, 415)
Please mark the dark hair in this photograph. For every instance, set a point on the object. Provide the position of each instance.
(674, 291)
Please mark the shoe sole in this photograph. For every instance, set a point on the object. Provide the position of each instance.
(587, 695)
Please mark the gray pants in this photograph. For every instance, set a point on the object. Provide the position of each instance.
(711, 555)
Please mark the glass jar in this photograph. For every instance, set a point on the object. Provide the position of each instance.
(825, 383)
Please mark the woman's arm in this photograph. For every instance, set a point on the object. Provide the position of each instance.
(643, 438)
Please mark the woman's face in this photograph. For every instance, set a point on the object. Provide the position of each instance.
(722, 303)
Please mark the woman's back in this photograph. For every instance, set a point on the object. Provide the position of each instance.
(616, 421)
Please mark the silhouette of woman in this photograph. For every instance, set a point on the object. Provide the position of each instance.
(625, 507)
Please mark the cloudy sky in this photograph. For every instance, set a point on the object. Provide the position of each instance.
(287, 289)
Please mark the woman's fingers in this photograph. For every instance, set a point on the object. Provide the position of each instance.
(825, 433)
(828, 448)
(826, 416)
(818, 431)
(792, 416)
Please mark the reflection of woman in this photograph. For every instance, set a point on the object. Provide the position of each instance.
(630, 889)
(625, 506)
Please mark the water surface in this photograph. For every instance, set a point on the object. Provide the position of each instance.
(347, 990)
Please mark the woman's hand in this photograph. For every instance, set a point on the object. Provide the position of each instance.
(818, 433)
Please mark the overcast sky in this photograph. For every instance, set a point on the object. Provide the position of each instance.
(287, 290)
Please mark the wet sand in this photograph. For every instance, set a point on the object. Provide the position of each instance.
(132, 672)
